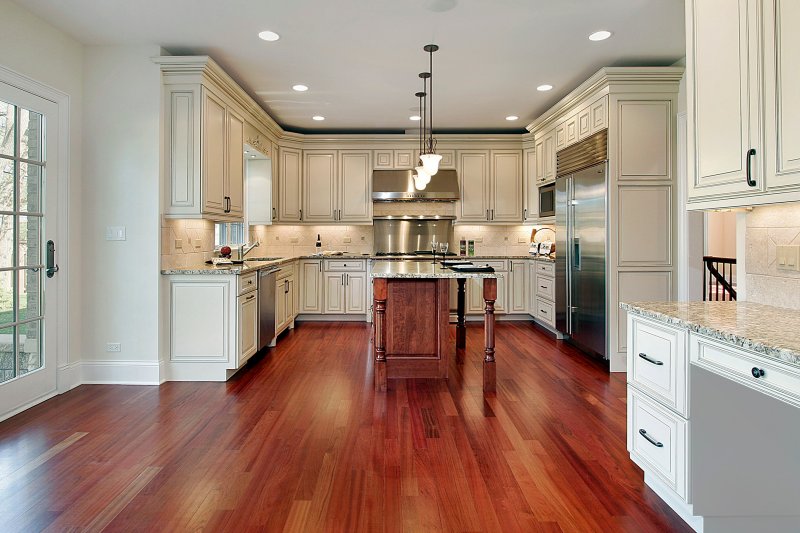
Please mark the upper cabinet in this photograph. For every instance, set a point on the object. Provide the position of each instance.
(741, 73)
(545, 148)
(530, 210)
(407, 158)
(337, 186)
(290, 185)
(491, 185)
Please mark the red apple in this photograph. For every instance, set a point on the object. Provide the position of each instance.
(225, 251)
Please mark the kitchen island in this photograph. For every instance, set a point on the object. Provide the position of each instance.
(412, 316)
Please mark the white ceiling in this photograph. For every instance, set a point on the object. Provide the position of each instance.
(361, 58)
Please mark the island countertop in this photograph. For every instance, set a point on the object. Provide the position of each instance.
(422, 270)
(771, 331)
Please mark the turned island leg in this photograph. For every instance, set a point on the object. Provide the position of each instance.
(461, 327)
(489, 296)
(379, 324)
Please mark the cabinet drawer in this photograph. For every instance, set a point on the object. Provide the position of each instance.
(779, 380)
(545, 311)
(345, 265)
(657, 362)
(546, 288)
(546, 268)
(658, 441)
(248, 282)
(498, 265)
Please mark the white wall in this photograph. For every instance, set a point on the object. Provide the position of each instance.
(121, 162)
(34, 48)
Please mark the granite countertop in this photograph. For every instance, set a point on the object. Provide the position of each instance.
(771, 331)
(421, 270)
(255, 265)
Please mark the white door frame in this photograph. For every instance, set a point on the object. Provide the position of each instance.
(67, 376)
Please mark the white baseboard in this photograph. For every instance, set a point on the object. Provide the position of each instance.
(120, 372)
(40, 399)
(68, 377)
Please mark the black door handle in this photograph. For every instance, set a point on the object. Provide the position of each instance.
(750, 181)
(52, 267)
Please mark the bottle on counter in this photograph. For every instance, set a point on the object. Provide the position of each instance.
(462, 247)
(471, 248)
(318, 244)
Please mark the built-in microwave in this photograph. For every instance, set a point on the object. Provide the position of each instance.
(547, 200)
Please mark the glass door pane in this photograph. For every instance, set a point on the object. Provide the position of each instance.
(22, 172)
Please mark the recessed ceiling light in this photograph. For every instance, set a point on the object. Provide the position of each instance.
(415, 117)
(247, 151)
(318, 117)
(268, 35)
(601, 35)
(252, 157)
(300, 87)
(544, 87)
(512, 117)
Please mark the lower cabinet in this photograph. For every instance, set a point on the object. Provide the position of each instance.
(541, 292)
(311, 286)
(518, 286)
(345, 286)
(213, 325)
(284, 299)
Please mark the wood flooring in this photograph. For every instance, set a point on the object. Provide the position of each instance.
(300, 441)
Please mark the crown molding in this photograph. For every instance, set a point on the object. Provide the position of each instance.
(609, 80)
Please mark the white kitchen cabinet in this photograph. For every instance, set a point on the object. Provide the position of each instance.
(284, 299)
(723, 98)
(561, 136)
(598, 115)
(474, 288)
(571, 130)
(337, 186)
(518, 286)
(311, 293)
(491, 185)
(345, 284)
(584, 123)
(542, 293)
(234, 177)
(214, 153)
(290, 207)
(545, 157)
(354, 186)
(530, 209)
(276, 190)
(248, 325)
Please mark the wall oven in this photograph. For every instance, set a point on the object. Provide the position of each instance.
(547, 200)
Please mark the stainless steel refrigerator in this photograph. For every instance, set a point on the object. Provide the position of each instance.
(581, 244)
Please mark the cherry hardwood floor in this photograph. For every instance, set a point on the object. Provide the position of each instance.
(299, 441)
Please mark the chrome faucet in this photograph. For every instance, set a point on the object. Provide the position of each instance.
(246, 249)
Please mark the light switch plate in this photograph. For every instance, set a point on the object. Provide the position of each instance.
(178, 243)
(787, 257)
(115, 233)
(198, 243)
(294, 240)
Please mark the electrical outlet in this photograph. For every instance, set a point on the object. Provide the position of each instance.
(505, 239)
(363, 238)
(115, 233)
(478, 240)
(294, 240)
(347, 240)
(113, 347)
(522, 240)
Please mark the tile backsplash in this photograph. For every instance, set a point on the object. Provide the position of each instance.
(196, 239)
(768, 227)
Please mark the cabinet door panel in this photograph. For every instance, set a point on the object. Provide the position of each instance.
(782, 85)
(719, 96)
(506, 186)
(549, 158)
(334, 292)
(319, 186)
(571, 130)
(310, 287)
(404, 159)
(584, 123)
(475, 302)
(531, 209)
(234, 182)
(539, 158)
(356, 299)
(280, 304)
(290, 185)
(213, 162)
(518, 287)
(561, 136)
(474, 175)
(355, 191)
(599, 115)
(248, 326)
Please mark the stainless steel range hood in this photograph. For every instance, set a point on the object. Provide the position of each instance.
(394, 185)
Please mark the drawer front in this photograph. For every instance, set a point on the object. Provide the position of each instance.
(545, 311)
(345, 265)
(248, 282)
(546, 288)
(657, 362)
(658, 440)
(284, 272)
(548, 269)
(781, 381)
(498, 265)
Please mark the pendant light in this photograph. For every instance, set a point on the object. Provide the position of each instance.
(421, 178)
(430, 159)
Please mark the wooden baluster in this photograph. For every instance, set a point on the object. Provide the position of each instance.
(489, 372)
(461, 327)
(379, 288)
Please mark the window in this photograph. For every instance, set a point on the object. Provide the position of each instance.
(229, 234)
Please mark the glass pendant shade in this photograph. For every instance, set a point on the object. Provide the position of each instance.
(431, 163)
(423, 175)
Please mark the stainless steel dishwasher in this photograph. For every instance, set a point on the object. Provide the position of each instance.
(266, 308)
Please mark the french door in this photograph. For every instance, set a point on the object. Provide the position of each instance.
(28, 209)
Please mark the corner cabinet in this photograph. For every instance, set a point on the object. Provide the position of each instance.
(204, 137)
(491, 186)
(743, 114)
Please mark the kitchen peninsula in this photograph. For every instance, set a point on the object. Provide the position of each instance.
(411, 318)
